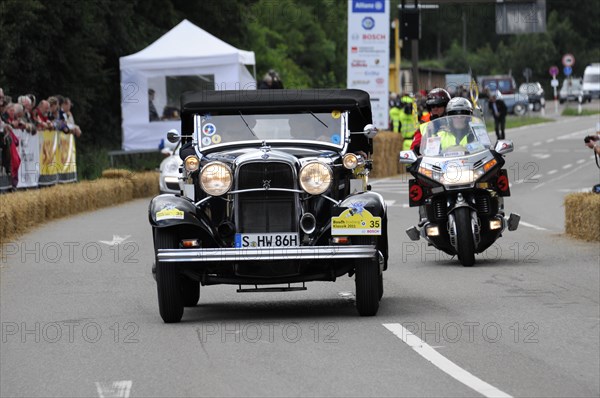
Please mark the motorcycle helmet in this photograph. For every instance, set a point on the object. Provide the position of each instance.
(459, 106)
(437, 96)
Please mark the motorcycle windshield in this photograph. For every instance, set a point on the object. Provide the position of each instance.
(456, 135)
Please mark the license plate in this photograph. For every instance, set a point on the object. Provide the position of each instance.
(281, 239)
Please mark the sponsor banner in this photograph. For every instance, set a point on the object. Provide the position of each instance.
(48, 150)
(368, 53)
(29, 151)
(65, 158)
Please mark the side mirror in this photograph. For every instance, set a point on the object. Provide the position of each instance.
(370, 131)
(504, 147)
(408, 157)
(173, 136)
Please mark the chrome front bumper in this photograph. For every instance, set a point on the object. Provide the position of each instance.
(266, 254)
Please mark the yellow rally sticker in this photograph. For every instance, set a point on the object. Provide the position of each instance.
(336, 114)
(351, 222)
(168, 214)
(216, 139)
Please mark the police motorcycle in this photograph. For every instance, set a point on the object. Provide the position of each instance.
(459, 184)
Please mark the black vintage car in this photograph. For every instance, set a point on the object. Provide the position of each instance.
(275, 194)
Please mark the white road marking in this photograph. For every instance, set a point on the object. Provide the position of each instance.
(389, 202)
(550, 140)
(580, 161)
(443, 363)
(552, 172)
(560, 176)
(526, 224)
(567, 166)
(116, 240)
(116, 389)
(538, 143)
(541, 155)
(575, 190)
(523, 148)
(536, 177)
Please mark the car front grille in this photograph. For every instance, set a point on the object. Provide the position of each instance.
(266, 210)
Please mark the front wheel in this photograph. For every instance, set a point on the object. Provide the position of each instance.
(464, 236)
(520, 109)
(168, 279)
(191, 291)
(368, 280)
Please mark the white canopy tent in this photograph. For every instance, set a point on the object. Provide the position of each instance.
(184, 58)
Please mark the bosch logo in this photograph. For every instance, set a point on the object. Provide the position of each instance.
(374, 36)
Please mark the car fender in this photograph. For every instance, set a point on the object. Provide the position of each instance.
(369, 199)
(167, 210)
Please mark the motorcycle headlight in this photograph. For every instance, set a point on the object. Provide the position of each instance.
(457, 176)
(191, 163)
(315, 177)
(216, 178)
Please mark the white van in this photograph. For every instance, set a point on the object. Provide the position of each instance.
(591, 80)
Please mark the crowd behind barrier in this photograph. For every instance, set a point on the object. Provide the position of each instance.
(37, 143)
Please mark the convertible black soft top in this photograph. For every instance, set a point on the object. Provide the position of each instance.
(278, 101)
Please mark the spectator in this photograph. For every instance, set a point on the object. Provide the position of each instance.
(26, 117)
(40, 115)
(498, 109)
(2, 101)
(593, 142)
(67, 116)
(271, 80)
(153, 114)
(55, 114)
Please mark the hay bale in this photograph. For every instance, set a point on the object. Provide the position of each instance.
(386, 146)
(118, 173)
(582, 216)
(23, 210)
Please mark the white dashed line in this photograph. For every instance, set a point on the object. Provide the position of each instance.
(567, 166)
(443, 363)
(552, 172)
(526, 224)
(580, 161)
(537, 143)
(536, 177)
(550, 140)
(116, 389)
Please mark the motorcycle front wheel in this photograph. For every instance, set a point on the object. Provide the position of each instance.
(464, 236)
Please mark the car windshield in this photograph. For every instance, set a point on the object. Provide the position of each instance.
(456, 135)
(323, 128)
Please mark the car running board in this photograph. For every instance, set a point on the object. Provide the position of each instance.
(257, 289)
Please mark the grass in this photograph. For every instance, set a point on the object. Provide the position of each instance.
(518, 121)
(584, 112)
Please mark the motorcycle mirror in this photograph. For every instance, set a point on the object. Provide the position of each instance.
(408, 157)
(504, 147)
(173, 136)
(370, 131)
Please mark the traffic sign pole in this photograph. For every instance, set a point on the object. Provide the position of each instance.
(553, 72)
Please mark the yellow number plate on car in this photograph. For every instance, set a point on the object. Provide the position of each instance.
(352, 222)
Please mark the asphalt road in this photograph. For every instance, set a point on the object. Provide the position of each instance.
(79, 314)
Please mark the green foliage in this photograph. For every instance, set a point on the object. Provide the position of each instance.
(73, 48)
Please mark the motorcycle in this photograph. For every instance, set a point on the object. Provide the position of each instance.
(459, 186)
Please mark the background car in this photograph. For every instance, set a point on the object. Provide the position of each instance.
(170, 171)
(516, 103)
(572, 90)
(534, 93)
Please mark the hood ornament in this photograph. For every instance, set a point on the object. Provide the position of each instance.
(266, 184)
(265, 148)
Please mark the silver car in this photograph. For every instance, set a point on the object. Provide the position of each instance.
(170, 174)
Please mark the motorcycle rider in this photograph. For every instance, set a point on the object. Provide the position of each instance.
(436, 102)
(460, 131)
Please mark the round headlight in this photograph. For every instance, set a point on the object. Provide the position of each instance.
(216, 178)
(315, 178)
(350, 161)
(191, 163)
